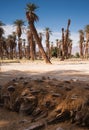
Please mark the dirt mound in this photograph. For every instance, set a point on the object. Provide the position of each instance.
(47, 101)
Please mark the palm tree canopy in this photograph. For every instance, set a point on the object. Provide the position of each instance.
(62, 29)
(31, 16)
(19, 22)
(48, 32)
(87, 28)
(69, 21)
(10, 41)
(47, 29)
(31, 7)
(1, 23)
(81, 32)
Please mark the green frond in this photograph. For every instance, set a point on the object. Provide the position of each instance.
(19, 22)
(81, 31)
(47, 29)
(31, 7)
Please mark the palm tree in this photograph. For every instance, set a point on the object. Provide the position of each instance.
(24, 48)
(32, 17)
(31, 44)
(66, 39)
(11, 45)
(47, 32)
(63, 45)
(14, 41)
(19, 23)
(87, 40)
(69, 47)
(81, 40)
(5, 47)
(40, 36)
(1, 42)
(57, 45)
(87, 32)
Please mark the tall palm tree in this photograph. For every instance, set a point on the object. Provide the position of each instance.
(24, 48)
(63, 45)
(31, 44)
(57, 45)
(14, 41)
(47, 32)
(69, 47)
(87, 32)
(32, 17)
(40, 36)
(1, 42)
(87, 40)
(11, 45)
(66, 39)
(19, 23)
(81, 40)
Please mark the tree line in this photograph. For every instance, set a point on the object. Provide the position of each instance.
(15, 47)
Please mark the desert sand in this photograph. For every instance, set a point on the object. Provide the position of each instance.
(64, 70)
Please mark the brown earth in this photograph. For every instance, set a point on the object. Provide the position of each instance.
(57, 96)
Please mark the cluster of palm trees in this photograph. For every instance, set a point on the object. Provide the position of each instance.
(15, 47)
(84, 42)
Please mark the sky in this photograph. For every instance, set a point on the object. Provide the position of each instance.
(52, 13)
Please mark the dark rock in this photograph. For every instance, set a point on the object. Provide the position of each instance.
(28, 105)
(21, 78)
(36, 112)
(14, 80)
(17, 104)
(66, 81)
(60, 118)
(87, 87)
(43, 114)
(68, 89)
(23, 121)
(11, 88)
(56, 95)
(36, 126)
(35, 92)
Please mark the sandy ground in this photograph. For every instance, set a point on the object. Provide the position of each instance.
(61, 70)
(64, 70)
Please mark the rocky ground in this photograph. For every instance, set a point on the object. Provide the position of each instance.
(35, 96)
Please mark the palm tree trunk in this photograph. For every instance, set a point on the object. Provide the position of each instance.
(1, 49)
(63, 47)
(34, 31)
(32, 47)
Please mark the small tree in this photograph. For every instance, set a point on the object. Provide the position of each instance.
(77, 55)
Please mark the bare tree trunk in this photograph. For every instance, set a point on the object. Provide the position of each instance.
(34, 31)
(32, 47)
